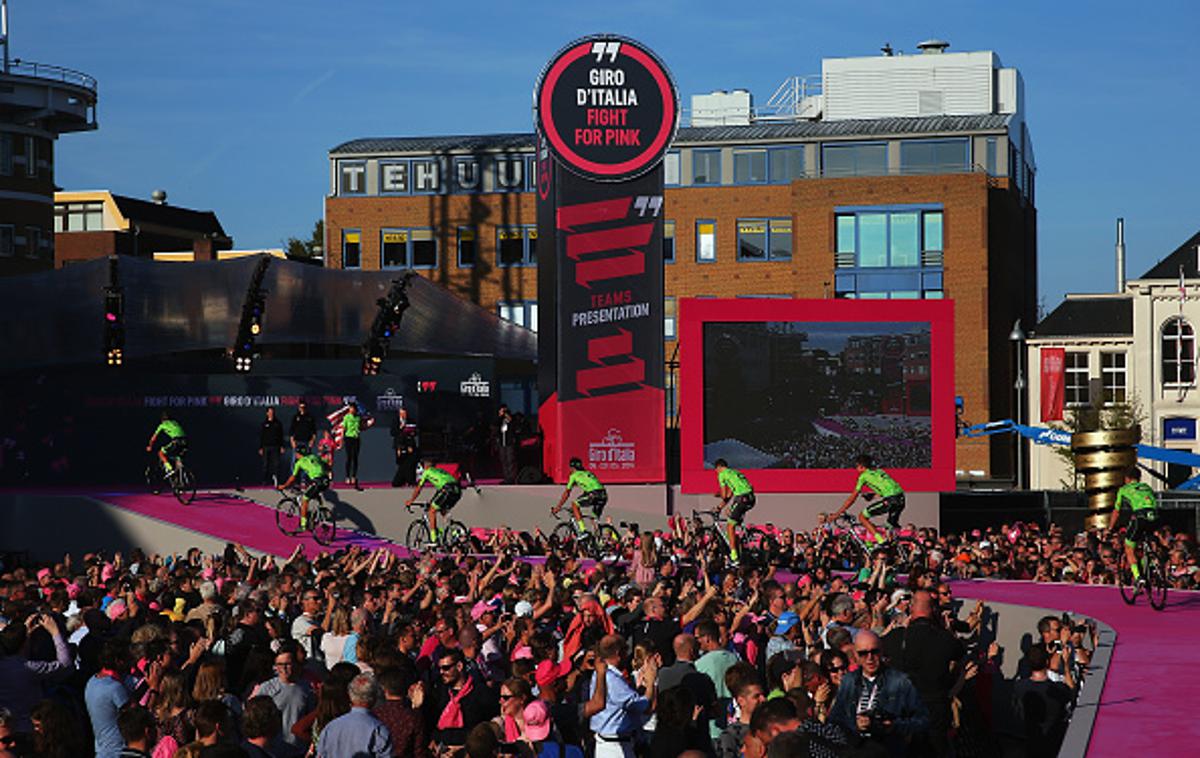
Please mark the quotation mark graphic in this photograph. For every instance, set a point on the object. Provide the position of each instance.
(600, 49)
(652, 203)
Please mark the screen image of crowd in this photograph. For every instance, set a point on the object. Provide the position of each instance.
(816, 395)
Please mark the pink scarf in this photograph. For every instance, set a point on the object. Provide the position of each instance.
(452, 717)
(512, 730)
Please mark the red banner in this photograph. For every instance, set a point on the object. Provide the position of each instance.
(1054, 361)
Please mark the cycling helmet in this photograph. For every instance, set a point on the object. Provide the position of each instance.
(302, 449)
(576, 464)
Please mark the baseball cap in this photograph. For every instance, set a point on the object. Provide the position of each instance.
(484, 606)
(537, 721)
(897, 597)
(523, 608)
(548, 671)
(115, 608)
(787, 620)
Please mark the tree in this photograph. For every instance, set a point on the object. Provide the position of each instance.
(1126, 415)
(313, 247)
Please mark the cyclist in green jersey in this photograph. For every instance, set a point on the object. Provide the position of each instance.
(875, 482)
(592, 494)
(447, 494)
(316, 475)
(175, 441)
(736, 488)
(1143, 513)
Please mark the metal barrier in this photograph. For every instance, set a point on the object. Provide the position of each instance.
(50, 71)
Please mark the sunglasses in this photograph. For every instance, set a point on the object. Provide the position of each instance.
(504, 697)
(446, 666)
(8, 739)
(872, 651)
(838, 669)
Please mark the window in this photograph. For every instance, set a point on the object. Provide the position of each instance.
(990, 156)
(6, 154)
(764, 239)
(6, 240)
(671, 168)
(353, 178)
(426, 176)
(889, 253)
(786, 164)
(531, 174)
(30, 156)
(520, 312)
(668, 242)
(750, 166)
(351, 248)
(516, 245)
(509, 175)
(706, 167)
(33, 240)
(706, 241)
(393, 177)
(1178, 353)
(408, 248)
(854, 160)
(669, 313)
(1076, 387)
(79, 217)
(467, 246)
(934, 156)
(1112, 373)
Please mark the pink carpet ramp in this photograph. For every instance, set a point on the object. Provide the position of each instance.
(1150, 696)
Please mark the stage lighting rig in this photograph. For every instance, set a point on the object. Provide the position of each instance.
(250, 326)
(385, 326)
(114, 318)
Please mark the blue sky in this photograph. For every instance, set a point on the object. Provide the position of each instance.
(233, 104)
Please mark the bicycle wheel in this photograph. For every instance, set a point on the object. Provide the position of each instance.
(416, 538)
(563, 535)
(324, 528)
(1156, 581)
(183, 484)
(1129, 591)
(606, 543)
(287, 516)
(455, 536)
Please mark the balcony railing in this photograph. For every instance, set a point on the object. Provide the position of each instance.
(49, 71)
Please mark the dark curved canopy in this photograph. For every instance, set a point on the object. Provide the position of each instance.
(57, 317)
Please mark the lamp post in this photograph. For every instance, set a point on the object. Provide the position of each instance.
(1017, 337)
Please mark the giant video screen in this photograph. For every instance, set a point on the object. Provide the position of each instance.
(813, 395)
(795, 390)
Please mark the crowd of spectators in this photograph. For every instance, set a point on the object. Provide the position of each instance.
(356, 653)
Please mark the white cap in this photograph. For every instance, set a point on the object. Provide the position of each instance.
(72, 609)
(524, 608)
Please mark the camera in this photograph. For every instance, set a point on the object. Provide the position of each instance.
(880, 721)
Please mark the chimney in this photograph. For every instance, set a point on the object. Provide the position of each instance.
(1120, 255)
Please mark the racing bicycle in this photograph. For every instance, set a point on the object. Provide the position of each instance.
(853, 544)
(756, 545)
(321, 522)
(452, 537)
(1154, 574)
(180, 479)
(601, 542)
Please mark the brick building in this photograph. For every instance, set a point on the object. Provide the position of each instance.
(903, 177)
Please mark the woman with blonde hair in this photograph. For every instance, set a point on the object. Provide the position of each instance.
(172, 707)
(645, 569)
(334, 640)
(210, 685)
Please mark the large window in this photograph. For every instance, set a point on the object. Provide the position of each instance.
(351, 248)
(509, 173)
(706, 167)
(750, 166)
(353, 178)
(706, 241)
(79, 217)
(671, 168)
(33, 241)
(467, 246)
(854, 160)
(882, 252)
(516, 245)
(520, 312)
(1178, 353)
(408, 248)
(1077, 378)
(762, 239)
(934, 156)
(786, 164)
(393, 177)
(1112, 372)
(668, 242)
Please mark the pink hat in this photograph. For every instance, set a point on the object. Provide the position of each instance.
(73, 590)
(108, 572)
(484, 606)
(805, 580)
(43, 573)
(548, 671)
(207, 573)
(116, 608)
(537, 720)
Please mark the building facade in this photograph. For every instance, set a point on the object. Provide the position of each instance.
(905, 177)
(1134, 348)
(38, 102)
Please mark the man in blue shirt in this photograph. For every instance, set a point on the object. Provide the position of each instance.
(625, 710)
(357, 733)
(105, 696)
